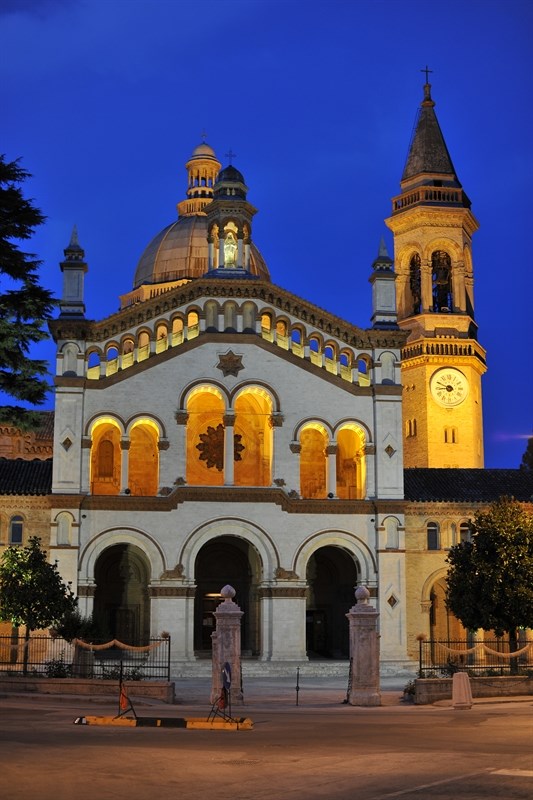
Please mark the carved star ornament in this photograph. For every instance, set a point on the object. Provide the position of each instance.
(230, 363)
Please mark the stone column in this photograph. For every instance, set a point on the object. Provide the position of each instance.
(124, 465)
(229, 450)
(226, 646)
(331, 475)
(364, 652)
(180, 455)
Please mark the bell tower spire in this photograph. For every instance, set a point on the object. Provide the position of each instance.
(442, 362)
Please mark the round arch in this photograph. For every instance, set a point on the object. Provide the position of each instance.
(112, 536)
(230, 526)
(358, 550)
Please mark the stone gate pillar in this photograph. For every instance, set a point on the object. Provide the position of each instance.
(227, 644)
(364, 652)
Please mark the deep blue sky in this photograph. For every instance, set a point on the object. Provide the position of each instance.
(104, 100)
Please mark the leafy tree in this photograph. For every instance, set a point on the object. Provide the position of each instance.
(527, 458)
(490, 580)
(24, 304)
(32, 592)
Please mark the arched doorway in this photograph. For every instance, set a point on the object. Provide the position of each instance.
(332, 575)
(121, 598)
(227, 560)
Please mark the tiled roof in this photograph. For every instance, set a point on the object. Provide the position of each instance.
(46, 428)
(467, 485)
(22, 477)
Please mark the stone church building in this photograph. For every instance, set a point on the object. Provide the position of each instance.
(219, 429)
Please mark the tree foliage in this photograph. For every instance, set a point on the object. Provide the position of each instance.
(490, 579)
(24, 304)
(32, 592)
(527, 458)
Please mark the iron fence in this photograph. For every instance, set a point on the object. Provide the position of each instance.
(439, 659)
(52, 657)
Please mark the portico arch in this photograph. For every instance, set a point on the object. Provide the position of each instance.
(121, 597)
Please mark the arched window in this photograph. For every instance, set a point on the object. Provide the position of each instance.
(465, 532)
(415, 284)
(441, 270)
(363, 369)
(16, 528)
(143, 345)
(205, 437)
(193, 324)
(313, 464)
(253, 435)
(433, 538)
(93, 365)
(351, 467)
(105, 459)
(143, 460)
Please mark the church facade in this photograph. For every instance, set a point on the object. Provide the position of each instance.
(219, 429)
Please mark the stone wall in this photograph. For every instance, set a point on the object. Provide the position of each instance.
(430, 690)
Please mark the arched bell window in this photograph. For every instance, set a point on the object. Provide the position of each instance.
(441, 271)
(415, 284)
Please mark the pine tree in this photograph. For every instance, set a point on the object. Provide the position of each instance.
(24, 304)
(527, 458)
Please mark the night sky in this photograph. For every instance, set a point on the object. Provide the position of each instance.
(105, 101)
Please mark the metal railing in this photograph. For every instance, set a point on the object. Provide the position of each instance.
(51, 657)
(440, 659)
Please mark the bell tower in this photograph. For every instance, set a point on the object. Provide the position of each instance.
(442, 361)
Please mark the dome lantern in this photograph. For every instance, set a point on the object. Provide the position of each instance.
(229, 225)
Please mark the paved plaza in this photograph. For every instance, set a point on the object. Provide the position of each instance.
(321, 748)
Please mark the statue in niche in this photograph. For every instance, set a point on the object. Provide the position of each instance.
(230, 250)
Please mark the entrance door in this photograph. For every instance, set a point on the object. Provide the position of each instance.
(227, 560)
(332, 577)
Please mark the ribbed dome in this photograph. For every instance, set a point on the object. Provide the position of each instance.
(180, 251)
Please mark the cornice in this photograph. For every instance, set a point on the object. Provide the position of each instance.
(227, 494)
(428, 216)
(235, 339)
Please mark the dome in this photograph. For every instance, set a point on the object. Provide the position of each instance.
(229, 175)
(180, 251)
(203, 151)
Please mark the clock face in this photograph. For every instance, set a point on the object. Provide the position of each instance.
(449, 387)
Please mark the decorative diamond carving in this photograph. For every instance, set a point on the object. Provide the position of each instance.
(390, 450)
(392, 601)
(67, 444)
